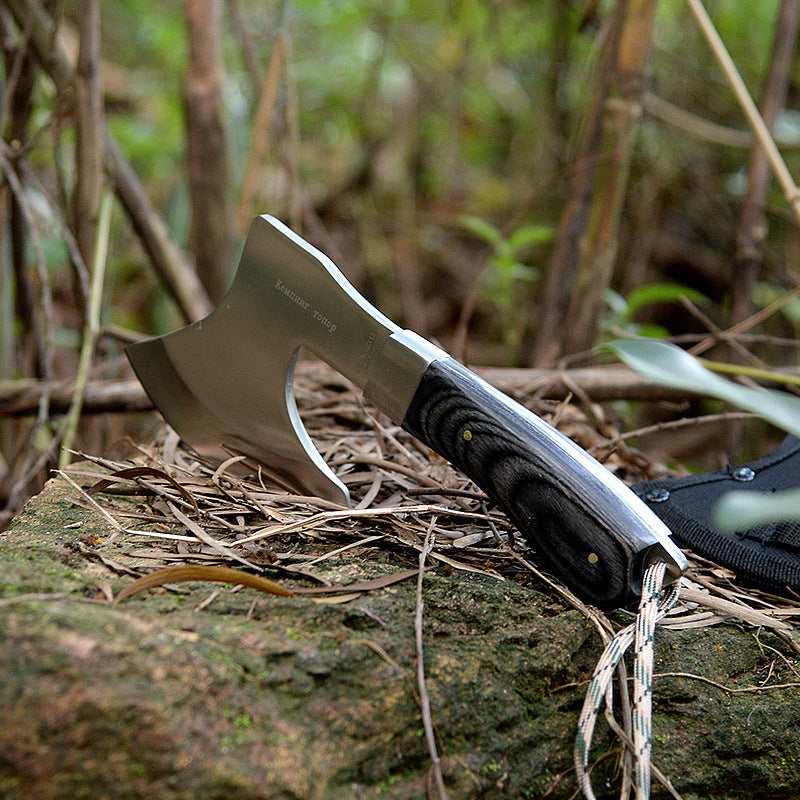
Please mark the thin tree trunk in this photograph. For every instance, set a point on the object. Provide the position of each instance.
(751, 229)
(549, 313)
(88, 129)
(581, 266)
(21, 74)
(208, 150)
(168, 259)
(752, 226)
(404, 253)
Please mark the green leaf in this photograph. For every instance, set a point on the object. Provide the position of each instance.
(739, 511)
(523, 272)
(616, 302)
(670, 366)
(503, 261)
(529, 235)
(482, 229)
(654, 293)
(651, 331)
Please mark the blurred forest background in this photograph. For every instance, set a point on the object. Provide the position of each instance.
(517, 179)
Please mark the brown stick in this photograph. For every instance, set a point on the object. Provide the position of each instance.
(246, 42)
(752, 227)
(22, 397)
(600, 384)
(207, 144)
(422, 685)
(88, 129)
(18, 106)
(782, 174)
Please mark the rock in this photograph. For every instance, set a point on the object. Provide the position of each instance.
(258, 696)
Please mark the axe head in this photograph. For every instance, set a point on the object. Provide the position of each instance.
(225, 383)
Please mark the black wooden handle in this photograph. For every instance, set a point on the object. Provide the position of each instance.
(584, 524)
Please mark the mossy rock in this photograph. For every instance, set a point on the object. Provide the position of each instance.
(288, 698)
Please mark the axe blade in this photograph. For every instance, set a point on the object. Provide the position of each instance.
(226, 385)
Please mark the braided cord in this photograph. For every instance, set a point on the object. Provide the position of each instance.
(652, 608)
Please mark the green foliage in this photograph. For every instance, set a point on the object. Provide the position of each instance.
(739, 511)
(506, 270)
(623, 310)
(669, 365)
(145, 40)
(463, 77)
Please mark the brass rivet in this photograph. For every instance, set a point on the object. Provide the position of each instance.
(467, 435)
(593, 558)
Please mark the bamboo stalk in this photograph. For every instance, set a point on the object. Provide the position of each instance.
(621, 116)
(265, 105)
(752, 227)
(90, 331)
(547, 316)
(584, 255)
(208, 149)
(754, 119)
(88, 130)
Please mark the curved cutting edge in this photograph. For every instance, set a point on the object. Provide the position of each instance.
(293, 462)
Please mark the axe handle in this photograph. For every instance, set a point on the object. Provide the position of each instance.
(584, 524)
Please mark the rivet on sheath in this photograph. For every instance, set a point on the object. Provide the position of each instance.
(593, 558)
(743, 474)
(657, 496)
(467, 435)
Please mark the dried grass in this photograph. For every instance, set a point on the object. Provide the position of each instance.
(187, 511)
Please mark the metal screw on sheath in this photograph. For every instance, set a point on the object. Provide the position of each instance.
(657, 495)
(743, 474)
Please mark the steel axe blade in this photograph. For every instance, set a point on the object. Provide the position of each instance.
(225, 384)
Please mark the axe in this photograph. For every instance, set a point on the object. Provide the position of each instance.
(225, 384)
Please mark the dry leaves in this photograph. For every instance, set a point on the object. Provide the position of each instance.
(184, 512)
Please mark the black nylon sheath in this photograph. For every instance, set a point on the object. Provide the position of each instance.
(768, 556)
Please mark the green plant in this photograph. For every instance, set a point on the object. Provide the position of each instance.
(620, 318)
(506, 271)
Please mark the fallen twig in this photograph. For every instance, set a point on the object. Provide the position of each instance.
(424, 697)
(601, 384)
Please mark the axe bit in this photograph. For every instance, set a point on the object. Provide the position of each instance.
(225, 384)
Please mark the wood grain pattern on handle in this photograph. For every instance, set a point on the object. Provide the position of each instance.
(567, 510)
